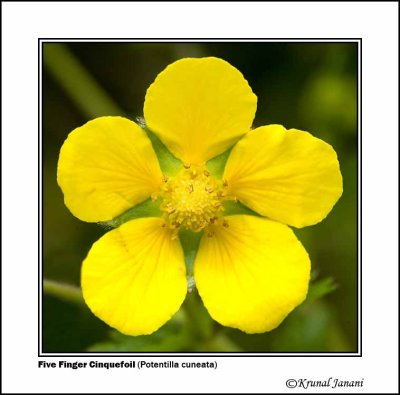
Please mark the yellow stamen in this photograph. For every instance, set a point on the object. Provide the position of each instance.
(192, 199)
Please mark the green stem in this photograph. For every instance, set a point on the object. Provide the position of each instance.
(63, 291)
(89, 97)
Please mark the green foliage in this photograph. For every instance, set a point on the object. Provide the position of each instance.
(174, 336)
(311, 328)
(320, 288)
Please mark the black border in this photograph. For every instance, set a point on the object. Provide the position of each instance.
(357, 41)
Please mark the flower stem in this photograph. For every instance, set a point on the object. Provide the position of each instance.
(63, 291)
(89, 97)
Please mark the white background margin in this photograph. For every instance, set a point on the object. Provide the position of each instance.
(375, 22)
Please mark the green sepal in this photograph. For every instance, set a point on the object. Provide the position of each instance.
(216, 166)
(237, 208)
(170, 166)
(148, 208)
(190, 244)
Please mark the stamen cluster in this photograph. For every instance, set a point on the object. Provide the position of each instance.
(192, 199)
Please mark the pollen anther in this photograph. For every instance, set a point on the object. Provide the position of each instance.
(192, 199)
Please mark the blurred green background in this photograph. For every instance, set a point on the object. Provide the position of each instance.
(308, 86)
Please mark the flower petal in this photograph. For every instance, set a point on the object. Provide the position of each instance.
(134, 277)
(105, 167)
(252, 274)
(287, 175)
(199, 108)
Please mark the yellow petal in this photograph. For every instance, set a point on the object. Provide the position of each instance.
(199, 108)
(287, 175)
(134, 277)
(252, 274)
(105, 167)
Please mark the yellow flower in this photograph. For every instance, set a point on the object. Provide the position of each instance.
(250, 270)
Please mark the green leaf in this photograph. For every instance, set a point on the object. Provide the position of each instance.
(320, 288)
(304, 330)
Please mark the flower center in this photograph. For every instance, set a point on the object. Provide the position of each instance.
(192, 199)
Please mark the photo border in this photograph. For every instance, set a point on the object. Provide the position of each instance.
(358, 353)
